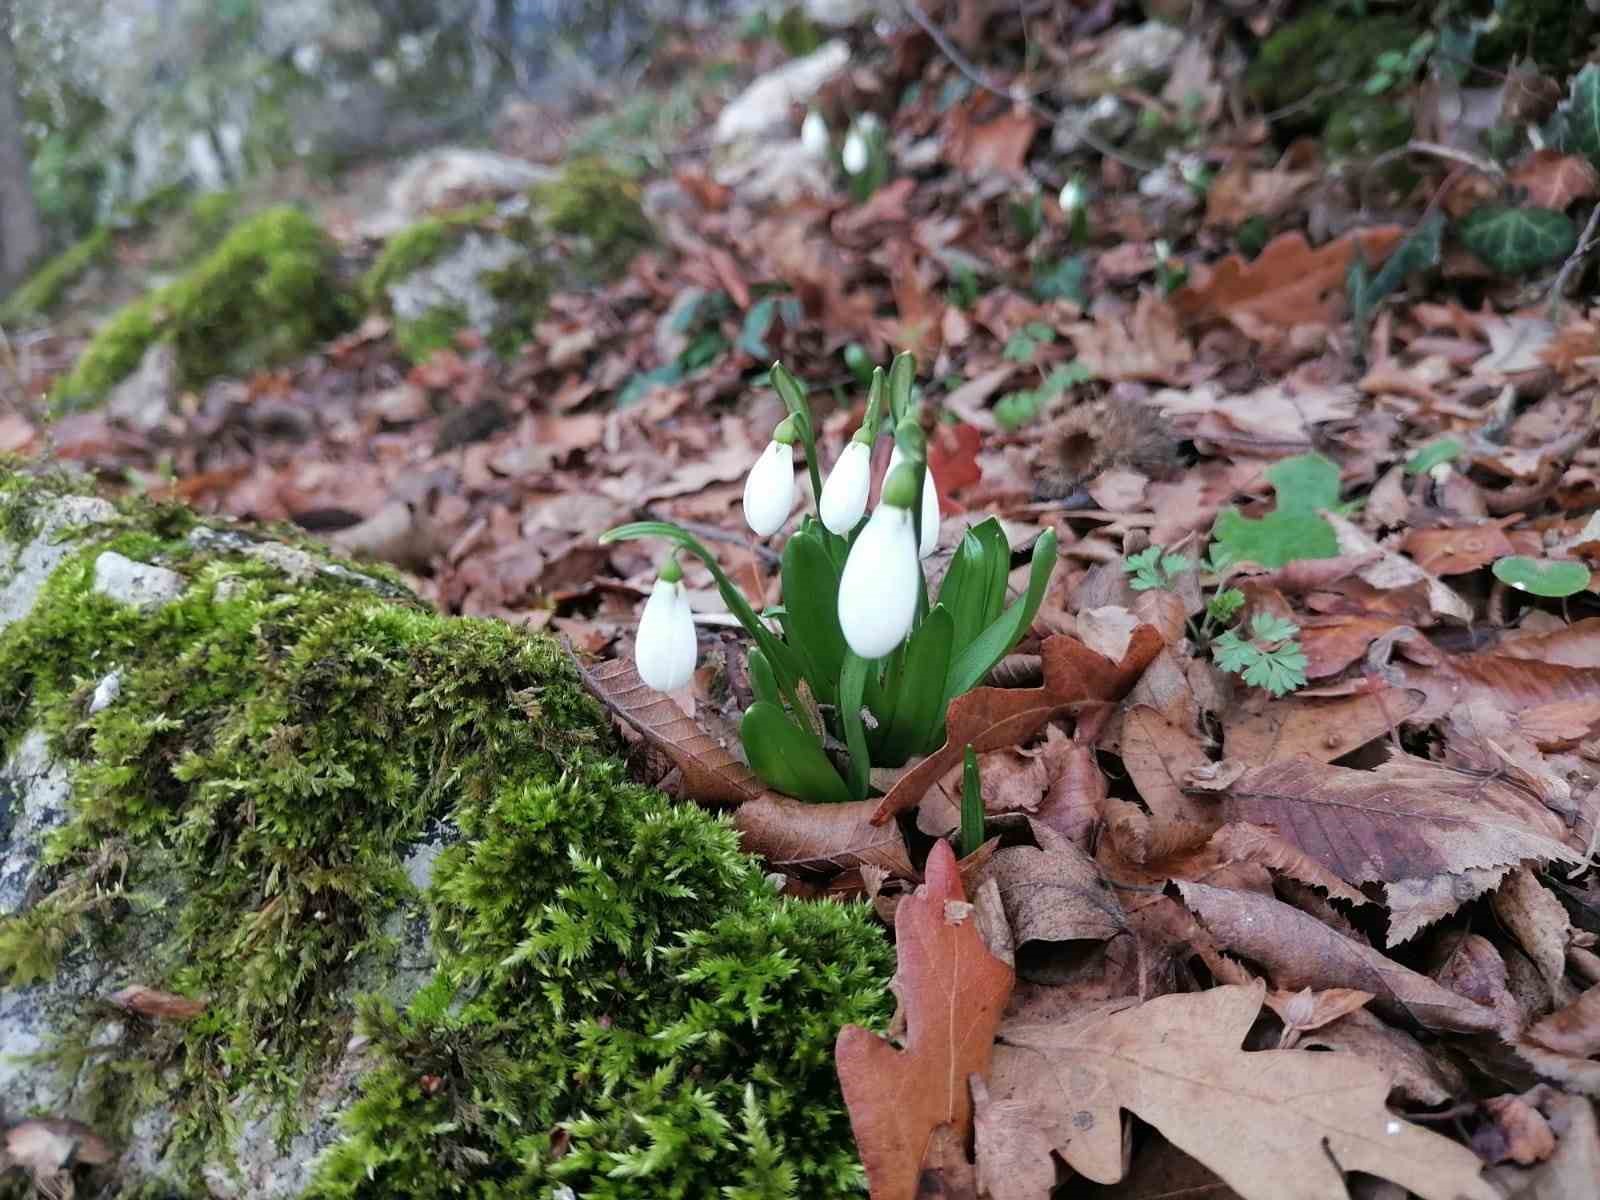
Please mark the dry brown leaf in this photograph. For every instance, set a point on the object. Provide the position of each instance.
(952, 991)
(1264, 729)
(1538, 921)
(1288, 283)
(1516, 1132)
(1274, 1124)
(1457, 551)
(991, 718)
(48, 1148)
(1415, 1076)
(1055, 893)
(1562, 1046)
(998, 144)
(1240, 842)
(1555, 180)
(1146, 344)
(1569, 1173)
(1306, 1009)
(162, 1006)
(793, 835)
(711, 774)
(1241, 191)
(1299, 951)
(1157, 755)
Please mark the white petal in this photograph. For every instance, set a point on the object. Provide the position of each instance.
(814, 135)
(664, 651)
(769, 491)
(855, 155)
(844, 495)
(930, 507)
(878, 590)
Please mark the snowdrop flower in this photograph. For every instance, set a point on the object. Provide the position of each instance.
(855, 155)
(844, 495)
(930, 506)
(769, 489)
(878, 590)
(664, 650)
(814, 135)
(1073, 196)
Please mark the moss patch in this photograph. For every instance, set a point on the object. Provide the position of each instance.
(434, 330)
(416, 246)
(620, 1004)
(1325, 51)
(49, 283)
(596, 201)
(266, 292)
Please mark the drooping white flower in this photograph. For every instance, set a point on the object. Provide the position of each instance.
(878, 590)
(664, 650)
(814, 135)
(930, 506)
(855, 156)
(1073, 196)
(769, 489)
(844, 495)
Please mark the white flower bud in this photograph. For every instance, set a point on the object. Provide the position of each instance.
(814, 135)
(930, 506)
(878, 590)
(855, 155)
(769, 489)
(664, 650)
(1073, 197)
(844, 495)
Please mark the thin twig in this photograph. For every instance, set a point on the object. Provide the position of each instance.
(1586, 242)
(973, 72)
(713, 533)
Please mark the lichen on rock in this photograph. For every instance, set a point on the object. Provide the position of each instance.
(311, 797)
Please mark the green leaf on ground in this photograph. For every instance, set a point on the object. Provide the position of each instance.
(1556, 578)
(1513, 241)
(1443, 450)
(1305, 485)
(1583, 113)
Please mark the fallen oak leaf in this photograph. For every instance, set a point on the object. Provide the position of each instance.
(711, 774)
(952, 991)
(988, 718)
(793, 835)
(1299, 951)
(1273, 1124)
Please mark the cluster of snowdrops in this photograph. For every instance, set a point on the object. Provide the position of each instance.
(858, 665)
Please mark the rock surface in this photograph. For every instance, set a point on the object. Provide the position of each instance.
(764, 107)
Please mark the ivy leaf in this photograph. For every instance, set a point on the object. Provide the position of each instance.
(1555, 578)
(1418, 252)
(1294, 529)
(1513, 241)
(1583, 113)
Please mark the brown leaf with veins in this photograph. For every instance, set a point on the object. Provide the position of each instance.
(711, 774)
(793, 835)
(1157, 755)
(1054, 893)
(1274, 1124)
(1299, 951)
(1263, 729)
(951, 992)
(1457, 551)
(1146, 344)
(1555, 180)
(989, 718)
(1538, 921)
(1562, 1046)
(1415, 1076)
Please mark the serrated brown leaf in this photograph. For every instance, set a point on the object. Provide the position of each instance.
(1299, 951)
(711, 774)
(989, 718)
(1242, 842)
(952, 992)
(1274, 1124)
(793, 835)
(1264, 729)
(164, 1006)
(1288, 283)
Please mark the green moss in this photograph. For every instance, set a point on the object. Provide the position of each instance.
(418, 245)
(435, 330)
(266, 292)
(1554, 34)
(1366, 126)
(209, 217)
(1326, 51)
(620, 1003)
(600, 203)
(40, 294)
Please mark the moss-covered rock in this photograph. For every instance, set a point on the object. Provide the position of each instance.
(1326, 51)
(40, 293)
(1366, 126)
(598, 203)
(303, 787)
(268, 290)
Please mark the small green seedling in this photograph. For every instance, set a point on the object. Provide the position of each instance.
(1305, 485)
(1555, 579)
(972, 821)
(1270, 657)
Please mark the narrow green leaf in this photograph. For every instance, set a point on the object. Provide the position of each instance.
(1513, 241)
(990, 646)
(762, 681)
(1443, 450)
(968, 588)
(788, 758)
(811, 598)
(972, 823)
(852, 684)
(918, 716)
(1555, 578)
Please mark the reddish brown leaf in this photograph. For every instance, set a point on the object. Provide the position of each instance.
(991, 718)
(793, 835)
(1516, 1132)
(1555, 180)
(1146, 344)
(162, 1006)
(1457, 551)
(951, 992)
(1563, 1045)
(997, 144)
(1264, 729)
(953, 459)
(711, 774)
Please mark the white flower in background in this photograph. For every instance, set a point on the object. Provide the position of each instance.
(855, 155)
(814, 135)
(769, 489)
(930, 506)
(844, 495)
(664, 650)
(878, 590)
(1073, 196)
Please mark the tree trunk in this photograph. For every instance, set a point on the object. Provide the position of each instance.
(22, 236)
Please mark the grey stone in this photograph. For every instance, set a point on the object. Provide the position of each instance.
(457, 281)
(33, 804)
(764, 107)
(143, 401)
(450, 176)
(840, 14)
(105, 693)
(1130, 56)
(1109, 118)
(24, 569)
(139, 584)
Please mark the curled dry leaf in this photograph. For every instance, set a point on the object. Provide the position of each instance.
(1554, 180)
(989, 718)
(793, 835)
(1055, 893)
(1416, 1077)
(1538, 921)
(1306, 1009)
(1157, 756)
(952, 991)
(1570, 1171)
(48, 1148)
(1299, 951)
(1563, 1045)
(164, 1006)
(1274, 1124)
(711, 774)
(1515, 1132)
